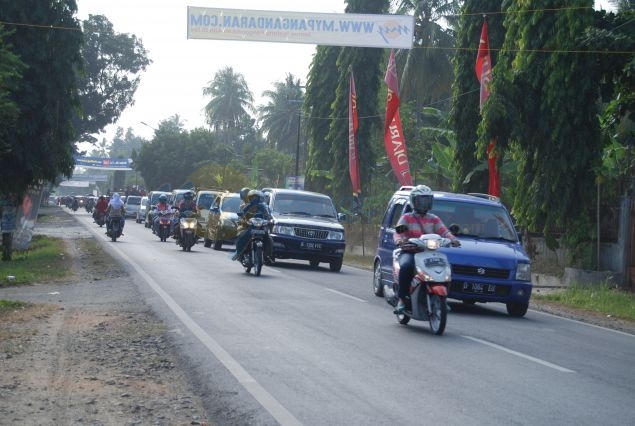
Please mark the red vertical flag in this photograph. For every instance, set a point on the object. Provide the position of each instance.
(484, 75)
(393, 134)
(353, 157)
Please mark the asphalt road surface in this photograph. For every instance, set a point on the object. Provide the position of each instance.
(300, 345)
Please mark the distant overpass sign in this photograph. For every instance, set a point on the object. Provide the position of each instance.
(331, 29)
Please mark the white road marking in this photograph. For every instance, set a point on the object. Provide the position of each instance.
(346, 295)
(521, 355)
(268, 402)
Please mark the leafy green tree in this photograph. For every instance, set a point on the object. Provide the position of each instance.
(465, 115)
(544, 104)
(113, 63)
(427, 72)
(156, 159)
(365, 63)
(271, 167)
(320, 93)
(280, 116)
(40, 143)
(11, 68)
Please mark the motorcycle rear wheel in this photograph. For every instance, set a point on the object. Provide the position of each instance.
(439, 314)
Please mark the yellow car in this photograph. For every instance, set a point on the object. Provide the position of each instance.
(222, 221)
(204, 199)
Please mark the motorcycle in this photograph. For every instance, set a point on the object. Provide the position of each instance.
(186, 234)
(429, 286)
(254, 254)
(100, 218)
(114, 227)
(164, 225)
(89, 205)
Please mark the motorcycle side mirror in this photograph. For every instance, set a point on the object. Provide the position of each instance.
(400, 229)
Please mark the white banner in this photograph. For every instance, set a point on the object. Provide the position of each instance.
(76, 183)
(333, 29)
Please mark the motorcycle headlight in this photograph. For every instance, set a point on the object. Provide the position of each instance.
(432, 244)
(336, 235)
(523, 272)
(283, 230)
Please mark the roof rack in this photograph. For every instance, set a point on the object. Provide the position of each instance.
(486, 196)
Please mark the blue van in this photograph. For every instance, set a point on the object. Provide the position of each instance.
(490, 266)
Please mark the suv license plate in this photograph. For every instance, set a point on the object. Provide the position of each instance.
(310, 246)
(479, 288)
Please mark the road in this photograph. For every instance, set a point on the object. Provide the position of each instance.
(308, 346)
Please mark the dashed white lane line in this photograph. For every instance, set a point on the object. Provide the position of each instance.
(520, 354)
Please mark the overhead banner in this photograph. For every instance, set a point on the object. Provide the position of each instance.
(104, 163)
(332, 29)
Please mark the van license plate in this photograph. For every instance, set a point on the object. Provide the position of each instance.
(479, 288)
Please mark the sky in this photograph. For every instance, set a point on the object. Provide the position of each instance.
(181, 68)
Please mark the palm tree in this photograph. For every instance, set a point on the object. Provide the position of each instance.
(428, 73)
(281, 115)
(231, 100)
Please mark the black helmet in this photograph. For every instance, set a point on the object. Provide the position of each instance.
(163, 198)
(255, 194)
(421, 199)
(243, 194)
(188, 195)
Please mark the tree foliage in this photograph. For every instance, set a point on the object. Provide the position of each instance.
(320, 93)
(465, 115)
(40, 144)
(365, 64)
(231, 99)
(543, 104)
(11, 68)
(280, 117)
(113, 63)
(427, 73)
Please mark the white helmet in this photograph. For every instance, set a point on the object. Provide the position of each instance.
(421, 199)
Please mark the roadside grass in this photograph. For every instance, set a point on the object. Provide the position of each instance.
(359, 261)
(10, 305)
(46, 260)
(602, 298)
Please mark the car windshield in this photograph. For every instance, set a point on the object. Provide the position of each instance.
(231, 204)
(205, 200)
(476, 220)
(304, 205)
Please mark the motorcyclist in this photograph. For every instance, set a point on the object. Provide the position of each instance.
(100, 208)
(75, 204)
(187, 206)
(162, 205)
(116, 211)
(253, 206)
(417, 223)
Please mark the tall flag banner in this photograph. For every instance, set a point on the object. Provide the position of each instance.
(353, 156)
(393, 134)
(483, 70)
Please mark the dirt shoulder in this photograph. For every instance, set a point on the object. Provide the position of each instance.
(89, 350)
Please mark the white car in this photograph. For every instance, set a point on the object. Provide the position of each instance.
(143, 207)
(132, 205)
